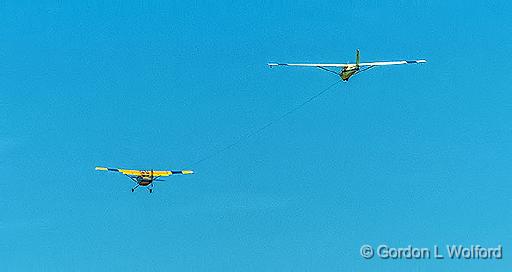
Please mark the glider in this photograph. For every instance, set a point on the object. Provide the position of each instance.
(145, 177)
(349, 69)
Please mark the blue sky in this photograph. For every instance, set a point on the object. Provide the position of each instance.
(416, 154)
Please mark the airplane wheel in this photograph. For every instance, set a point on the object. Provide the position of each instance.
(133, 190)
(150, 191)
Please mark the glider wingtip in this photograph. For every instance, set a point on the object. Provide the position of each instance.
(272, 64)
(99, 168)
(415, 61)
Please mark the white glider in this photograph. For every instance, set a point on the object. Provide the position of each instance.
(349, 69)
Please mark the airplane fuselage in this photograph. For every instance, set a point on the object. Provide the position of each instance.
(144, 180)
(348, 71)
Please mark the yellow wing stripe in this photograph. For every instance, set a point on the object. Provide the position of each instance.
(130, 172)
(161, 173)
(168, 173)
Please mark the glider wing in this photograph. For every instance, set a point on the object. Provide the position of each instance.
(384, 63)
(310, 64)
(378, 63)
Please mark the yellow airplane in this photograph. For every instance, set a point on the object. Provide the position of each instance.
(145, 177)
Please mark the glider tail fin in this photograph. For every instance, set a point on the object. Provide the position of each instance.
(357, 57)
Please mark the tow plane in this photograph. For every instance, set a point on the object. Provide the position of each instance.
(350, 69)
(146, 178)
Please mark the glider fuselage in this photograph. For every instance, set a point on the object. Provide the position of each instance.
(348, 71)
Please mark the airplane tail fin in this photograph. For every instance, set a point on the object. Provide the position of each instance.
(357, 57)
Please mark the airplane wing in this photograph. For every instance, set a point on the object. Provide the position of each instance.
(384, 63)
(310, 64)
(172, 172)
(122, 171)
(130, 172)
(378, 63)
